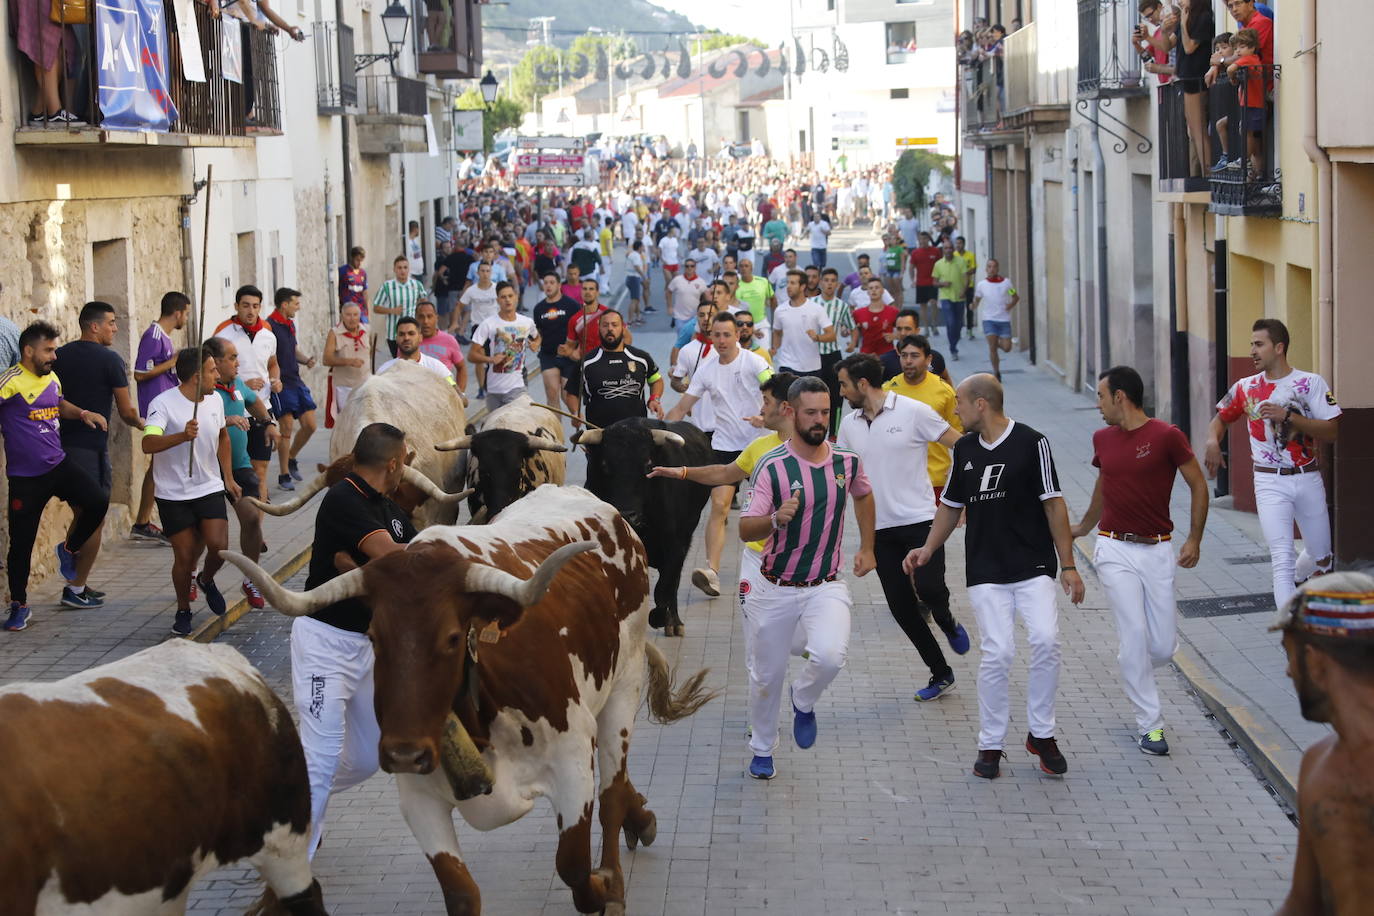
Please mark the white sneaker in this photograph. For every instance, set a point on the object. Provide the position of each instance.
(707, 580)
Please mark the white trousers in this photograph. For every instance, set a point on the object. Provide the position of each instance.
(996, 608)
(1282, 500)
(782, 621)
(1139, 581)
(331, 673)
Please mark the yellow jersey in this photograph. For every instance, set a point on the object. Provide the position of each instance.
(935, 393)
(747, 461)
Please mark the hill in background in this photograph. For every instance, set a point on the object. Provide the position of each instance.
(504, 28)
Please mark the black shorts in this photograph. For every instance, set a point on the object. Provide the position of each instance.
(1191, 85)
(925, 294)
(259, 449)
(180, 514)
(572, 380)
(248, 481)
(726, 457)
(549, 361)
(96, 464)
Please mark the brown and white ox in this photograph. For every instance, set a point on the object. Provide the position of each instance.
(517, 449)
(428, 410)
(529, 634)
(126, 783)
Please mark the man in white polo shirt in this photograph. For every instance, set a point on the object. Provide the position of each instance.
(731, 384)
(891, 434)
(257, 348)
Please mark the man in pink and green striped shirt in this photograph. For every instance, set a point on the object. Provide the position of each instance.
(797, 499)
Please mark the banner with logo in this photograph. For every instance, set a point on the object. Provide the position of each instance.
(188, 35)
(131, 49)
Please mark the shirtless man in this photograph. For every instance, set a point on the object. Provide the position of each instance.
(1329, 637)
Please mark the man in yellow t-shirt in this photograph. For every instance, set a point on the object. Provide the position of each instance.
(950, 274)
(961, 251)
(919, 383)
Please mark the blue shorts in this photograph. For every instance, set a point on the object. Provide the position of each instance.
(294, 401)
(635, 286)
(997, 328)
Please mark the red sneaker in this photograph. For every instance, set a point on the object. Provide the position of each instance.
(255, 599)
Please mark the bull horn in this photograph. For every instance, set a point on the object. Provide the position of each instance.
(431, 489)
(293, 603)
(291, 505)
(539, 443)
(524, 592)
(454, 445)
(664, 436)
(588, 437)
(480, 516)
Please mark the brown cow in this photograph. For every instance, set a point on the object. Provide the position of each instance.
(530, 632)
(125, 783)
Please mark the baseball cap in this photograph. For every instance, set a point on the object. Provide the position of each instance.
(1335, 604)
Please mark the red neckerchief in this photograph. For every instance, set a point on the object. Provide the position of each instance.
(995, 279)
(228, 389)
(250, 331)
(281, 320)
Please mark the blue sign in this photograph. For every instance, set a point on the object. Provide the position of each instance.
(131, 49)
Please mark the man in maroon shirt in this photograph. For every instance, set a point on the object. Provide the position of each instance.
(922, 260)
(1137, 457)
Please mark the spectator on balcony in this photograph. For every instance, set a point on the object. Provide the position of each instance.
(1221, 51)
(1248, 74)
(1250, 15)
(260, 15)
(41, 41)
(1195, 30)
(438, 25)
(1155, 48)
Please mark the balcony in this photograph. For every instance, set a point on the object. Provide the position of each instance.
(213, 112)
(391, 116)
(336, 82)
(1108, 66)
(449, 46)
(1039, 80)
(1243, 189)
(1179, 171)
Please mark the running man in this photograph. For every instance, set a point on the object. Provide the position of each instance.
(797, 504)
(998, 297)
(293, 404)
(1288, 412)
(1004, 477)
(1137, 457)
(154, 373)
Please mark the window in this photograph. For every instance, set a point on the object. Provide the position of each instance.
(899, 93)
(901, 41)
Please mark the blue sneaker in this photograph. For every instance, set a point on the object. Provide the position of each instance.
(294, 469)
(937, 688)
(19, 618)
(86, 600)
(803, 727)
(182, 625)
(66, 562)
(762, 767)
(285, 482)
(214, 598)
(958, 639)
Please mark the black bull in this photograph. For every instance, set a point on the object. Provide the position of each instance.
(663, 512)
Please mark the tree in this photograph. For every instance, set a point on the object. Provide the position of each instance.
(526, 84)
(716, 40)
(504, 112)
(578, 60)
(911, 174)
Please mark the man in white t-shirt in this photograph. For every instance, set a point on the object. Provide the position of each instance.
(819, 230)
(1288, 411)
(708, 262)
(684, 292)
(891, 433)
(997, 297)
(670, 252)
(506, 342)
(800, 325)
(257, 348)
(408, 339)
(478, 304)
(778, 275)
(858, 296)
(731, 385)
(179, 435)
(907, 227)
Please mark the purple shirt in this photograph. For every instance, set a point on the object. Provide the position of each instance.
(154, 347)
(28, 421)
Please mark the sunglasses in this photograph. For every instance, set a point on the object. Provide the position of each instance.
(746, 324)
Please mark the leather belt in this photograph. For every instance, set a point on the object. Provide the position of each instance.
(790, 584)
(1285, 472)
(1130, 538)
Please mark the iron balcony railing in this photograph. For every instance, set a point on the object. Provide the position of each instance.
(1247, 185)
(1179, 168)
(383, 94)
(1108, 64)
(336, 82)
(981, 93)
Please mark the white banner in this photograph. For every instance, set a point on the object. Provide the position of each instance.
(467, 130)
(231, 49)
(188, 38)
(431, 138)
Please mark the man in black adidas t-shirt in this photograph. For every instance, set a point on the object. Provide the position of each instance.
(1003, 475)
(615, 375)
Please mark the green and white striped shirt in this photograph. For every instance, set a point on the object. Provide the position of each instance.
(395, 293)
(842, 317)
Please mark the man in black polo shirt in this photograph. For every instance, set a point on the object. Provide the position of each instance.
(331, 657)
(614, 377)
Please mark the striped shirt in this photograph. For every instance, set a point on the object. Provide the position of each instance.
(808, 547)
(394, 294)
(842, 317)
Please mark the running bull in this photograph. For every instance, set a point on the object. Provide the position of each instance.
(518, 448)
(528, 634)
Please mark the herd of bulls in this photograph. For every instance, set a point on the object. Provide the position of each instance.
(524, 638)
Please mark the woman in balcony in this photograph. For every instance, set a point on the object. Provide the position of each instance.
(1195, 29)
(41, 41)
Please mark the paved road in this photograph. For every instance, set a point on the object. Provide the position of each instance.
(883, 815)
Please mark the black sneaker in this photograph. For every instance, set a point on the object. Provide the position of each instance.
(84, 600)
(1051, 761)
(182, 625)
(989, 764)
(214, 599)
(1153, 743)
(38, 120)
(149, 532)
(295, 471)
(285, 482)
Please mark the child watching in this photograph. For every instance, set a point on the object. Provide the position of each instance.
(1221, 50)
(1248, 73)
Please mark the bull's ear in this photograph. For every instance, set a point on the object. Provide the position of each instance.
(498, 609)
(470, 429)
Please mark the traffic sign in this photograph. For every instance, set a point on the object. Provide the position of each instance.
(543, 162)
(550, 179)
(918, 141)
(576, 144)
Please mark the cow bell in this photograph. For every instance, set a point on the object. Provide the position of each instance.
(467, 773)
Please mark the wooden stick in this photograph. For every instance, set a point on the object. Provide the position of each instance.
(564, 413)
(200, 321)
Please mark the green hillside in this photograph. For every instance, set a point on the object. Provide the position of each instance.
(505, 25)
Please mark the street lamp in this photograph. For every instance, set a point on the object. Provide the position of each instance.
(395, 23)
(489, 87)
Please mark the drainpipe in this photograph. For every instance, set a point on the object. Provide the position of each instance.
(345, 142)
(1030, 253)
(1072, 293)
(1179, 376)
(1325, 275)
(188, 259)
(1100, 205)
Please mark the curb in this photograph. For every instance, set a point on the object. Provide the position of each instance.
(1248, 725)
